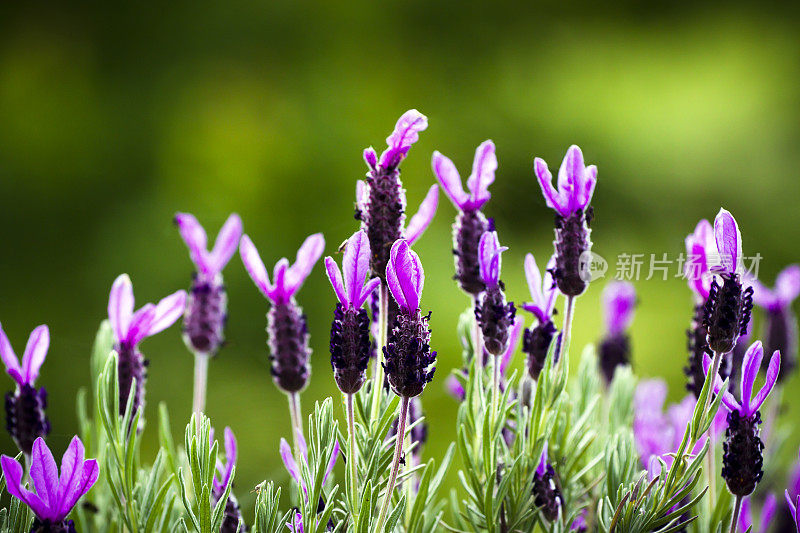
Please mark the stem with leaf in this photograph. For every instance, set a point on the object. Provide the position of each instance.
(737, 508)
(351, 456)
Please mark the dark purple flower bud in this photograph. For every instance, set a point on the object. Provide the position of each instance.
(495, 316)
(25, 406)
(780, 330)
(470, 222)
(547, 489)
(409, 359)
(130, 328)
(619, 301)
(46, 526)
(536, 343)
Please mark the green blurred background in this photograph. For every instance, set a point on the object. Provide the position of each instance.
(113, 116)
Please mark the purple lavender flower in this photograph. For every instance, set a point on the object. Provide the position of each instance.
(454, 387)
(206, 309)
(619, 301)
(381, 200)
(494, 315)
(55, 496)
(576, 184)
(728, 307)
(794, 509)
(350, 343)
(132, 328)
(286, 323)
(743, 459)
(793, 499)
(25, 406)
(547, 489)
(746, 520)
(470, 222)
(537, 340)
(409, 359)
(233, 520)
(781, 322)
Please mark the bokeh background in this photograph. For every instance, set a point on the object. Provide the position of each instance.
(113, 116)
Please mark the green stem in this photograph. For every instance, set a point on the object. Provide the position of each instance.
(297, 425)
(713, 373)
(711, 458)
(200, 382)
(383, 326)
(495, 388)
(351, 456)
(566, 329)
(737, 508)
(398, 452)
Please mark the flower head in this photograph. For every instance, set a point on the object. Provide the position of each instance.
(405, 276)
(619, 300)
(353, 288)
(489, 251)
(576, 183)
(55, 496)
(786, 290)
(483, 169)
(32, 359)
(701, 252)
(209, 263)
(294, 469)
(405, 134)
(131, 328)
(543, 291)
(287, 279)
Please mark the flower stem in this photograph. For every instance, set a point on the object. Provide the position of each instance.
(383, 326)
(737, 507)
(200, 382)
(495, 388)
(351, 456)
(297, 424)
(398, 452)
(566, 330)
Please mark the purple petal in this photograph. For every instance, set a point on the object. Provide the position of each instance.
(120, 306)
(542, 467)
(226, 244)
(307, 256)
(408, 276)
(729, 240)
(393, 282)
(424, 215)
(489, 251)
(44, 474)
(230, 457)
(10, 358)
(794, 508)
(335, 277)
(370, 157)
(75, 478)
(534, 279)
(728, 399)
(570, 177)
(483, 169)
(513, 341)
(88, 477)
(455, 388)
(195, 238)
(140, 324)
(768, 511)
(301, 444)
(35, 353)
(280, 293)
(12, 471)
(751, 363)
(787, 285)
(745, 515)
(772, 376)
(167, 312)
(554, 199)
(290, 464)
(447, 174)
(332, 462)
(406, 133)
(355, 266)
(254, 265)
(362, 195)
(619, 301)
(589, 183)
(366, 291)
(549, 287)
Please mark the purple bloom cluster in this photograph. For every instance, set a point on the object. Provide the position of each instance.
(537, 340)
(619, 301)
(494, 315)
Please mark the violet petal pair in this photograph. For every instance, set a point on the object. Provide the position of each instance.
(418, 223)
(54, 495)
(405, 134)
(210, 263)
(225, 470)
(287, 279)
(750, 366)
(576, 183)
(130, 327)
(32, 359)
(352, 289)
(701, 252)
(405, 277)
(543, 290)
(786, 290)
(483, 170)
(489, 251)
(294, 469)
(619, 301)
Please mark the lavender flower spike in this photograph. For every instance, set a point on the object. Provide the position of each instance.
(470, 222)
(619, 300)
(781, 322)
(55, 496)
(350, 343)
(576, 183)
(286, 323)
(206, 309)
(743, 459)
(537, 339)
(233, 514)
(130, 328)
(493, 314)
(547, 489)
(25, 416)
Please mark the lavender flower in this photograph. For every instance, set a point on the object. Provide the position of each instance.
(470, 222)
(25, 406)
(547, 489)
(537, 340)
(409, 359)
(493, 314)
(381, 199)
(55, 496)
(576, 184)
(286, 323)
(728, 307)
(350, 342)
(233, 520)
(746, 520)
(619, 301)
(743, 459)
(132, 328)
(781, 322)
(206, 309)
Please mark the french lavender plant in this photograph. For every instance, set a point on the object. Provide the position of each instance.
(25, 406)
(130, 328)
(55, 495)
(619, 301)
(537, 339)
(207, 304)
(780, 329)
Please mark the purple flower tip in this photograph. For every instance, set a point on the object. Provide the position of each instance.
(619, 301)
(576, 183)
(786, 290)
(455, 388)
(489, 251)
(54, 496)
(353, 289)
(294, 469)
(131, 328)
(209, 263)
(483, 171)
(542, 466)
(701, 250)
(32, 359)
(225, 470)
(729, 242)
(422, 218)
(406, 133)
(404, 276)
(543, 292)
(794, 509)
(287, 279)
